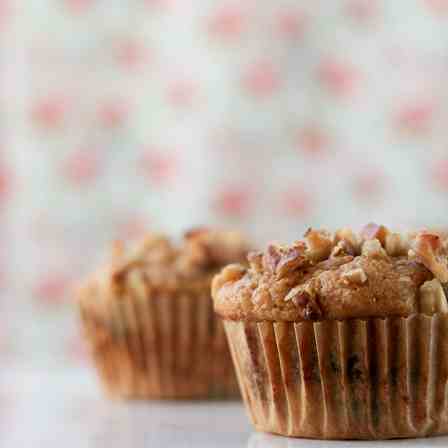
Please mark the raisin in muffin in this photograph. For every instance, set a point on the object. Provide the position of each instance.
(342, 336)
(148, 317)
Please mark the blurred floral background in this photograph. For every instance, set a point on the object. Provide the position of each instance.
(266, 116)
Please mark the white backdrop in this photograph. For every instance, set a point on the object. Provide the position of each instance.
(268, 116)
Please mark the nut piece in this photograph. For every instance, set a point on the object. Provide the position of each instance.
(271, 258)
(428, 249)
(154, 246)
(231, 273)
(294, 293)
(282, 260)
(346, 234)
(291, 259)
(255, 260)
(342, 248)
(373, 231)
(357, 276)
(312, 311)
(298, 295)
(373, 248)
(199, 254)
(319, 244)
(396, 245)
(432, 298)
(307, 303)
(206, 248)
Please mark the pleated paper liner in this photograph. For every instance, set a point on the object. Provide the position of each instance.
(354, 379)
(163, 348)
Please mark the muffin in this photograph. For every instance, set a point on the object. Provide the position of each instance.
(148, 318)
(341, 336)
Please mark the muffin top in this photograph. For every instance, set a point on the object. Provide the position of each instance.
(157, 267)
(335, 276)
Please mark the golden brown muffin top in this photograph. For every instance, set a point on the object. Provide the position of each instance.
(157, 267)
(341, 275)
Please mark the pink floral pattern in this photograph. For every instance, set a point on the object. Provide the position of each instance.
(164, 114)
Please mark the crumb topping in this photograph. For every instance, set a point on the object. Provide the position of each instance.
(341, 275)
(155, 266)
(431, 251)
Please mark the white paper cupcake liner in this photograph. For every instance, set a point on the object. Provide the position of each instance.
(166, 347)
(357, 379)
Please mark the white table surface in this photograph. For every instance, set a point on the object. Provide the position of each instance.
(66, 409)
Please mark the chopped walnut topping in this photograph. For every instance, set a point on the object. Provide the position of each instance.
(340, 276)
(343, 248)
(283, 260)
(291, 259)
(153, 247)
(295, 292)
(432, 298)
(307, 303)
(155, 267)
(198, 256)
(255, 260)
(373, 231)
(396, 245)
(319, 244)
(233, 272)
(312, 311)
(427, 248)
(372, 248)
(346, 234)
(271, 258)
(357, 276)
(205, 248)
(335, 262)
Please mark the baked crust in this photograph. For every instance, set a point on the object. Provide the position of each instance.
(376, 273)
